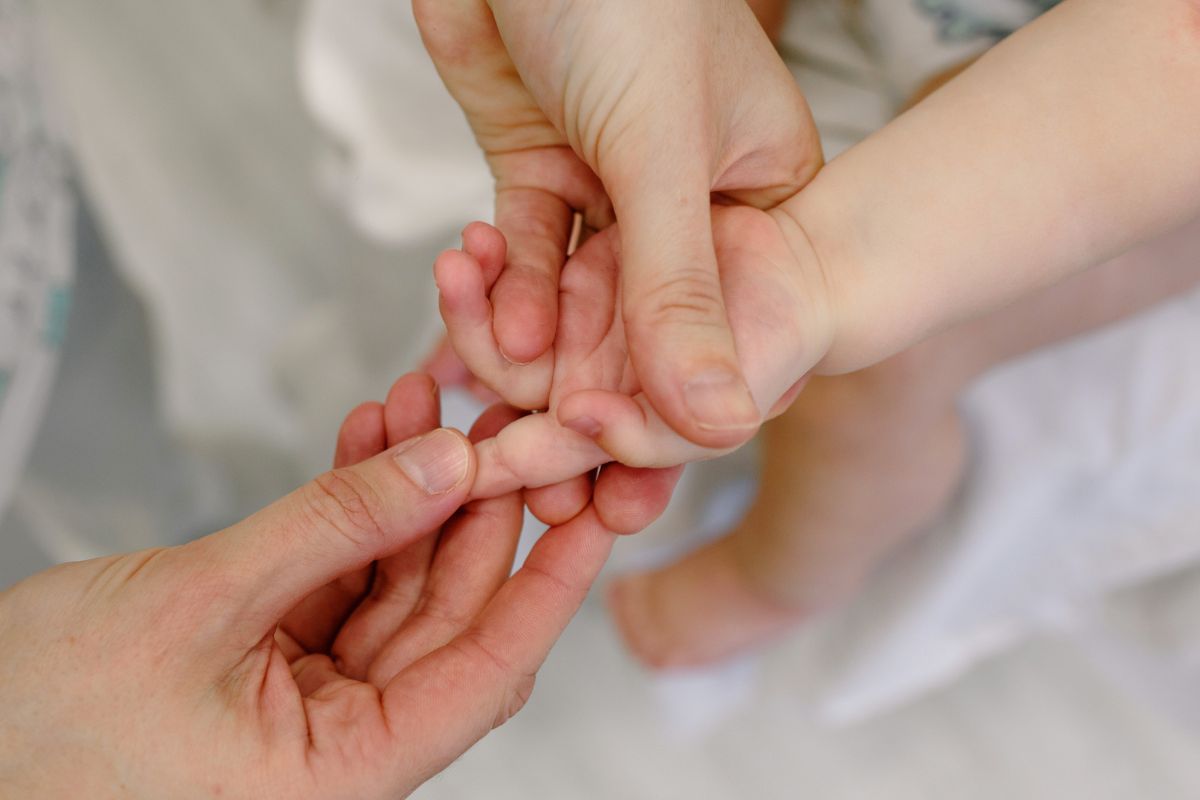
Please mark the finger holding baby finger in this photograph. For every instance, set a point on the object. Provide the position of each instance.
(533, 452)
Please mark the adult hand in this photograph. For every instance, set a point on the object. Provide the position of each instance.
(350, 640)
(656, 106)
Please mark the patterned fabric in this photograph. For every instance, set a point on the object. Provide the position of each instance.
(914, 41)
(35, 244)
(960, 20)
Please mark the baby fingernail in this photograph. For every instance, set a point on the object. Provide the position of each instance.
(719, 401)
(515, 362)
(437, 462)
(584, 426)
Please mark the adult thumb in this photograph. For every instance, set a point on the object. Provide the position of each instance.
(676, 323)
(337, 523)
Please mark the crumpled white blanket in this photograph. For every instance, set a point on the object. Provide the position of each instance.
(271, 316)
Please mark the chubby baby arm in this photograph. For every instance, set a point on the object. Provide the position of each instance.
(1068, 143)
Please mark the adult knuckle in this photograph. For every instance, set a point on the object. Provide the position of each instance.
(484, 652)
(517, 684)
(558, 583)
(443, 612)
(343, 500)
(690, 296)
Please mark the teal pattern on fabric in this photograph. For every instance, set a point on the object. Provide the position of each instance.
(5, 380)
(58, 311)
(956, 23)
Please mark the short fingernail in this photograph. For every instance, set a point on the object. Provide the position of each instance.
(719, 401)
(437, 462)
(515, 362)
(584, 426)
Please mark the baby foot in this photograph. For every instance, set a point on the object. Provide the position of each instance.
(861, 463)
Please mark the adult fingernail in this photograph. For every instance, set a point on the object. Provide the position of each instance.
(584, 426)
(437, 462)
(719, 401)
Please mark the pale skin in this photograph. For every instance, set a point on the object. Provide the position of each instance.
(1048, 197)
(350, 640)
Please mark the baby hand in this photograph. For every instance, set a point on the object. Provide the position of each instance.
(779, 310)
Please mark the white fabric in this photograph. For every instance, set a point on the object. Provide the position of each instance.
(271, 316)
(401, 175)
(206, 177)
(915, 40)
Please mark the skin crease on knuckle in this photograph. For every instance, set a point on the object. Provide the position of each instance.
(517, 686)
(474, 646)
(341, 499)
(689, 296)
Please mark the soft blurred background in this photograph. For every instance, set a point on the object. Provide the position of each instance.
(259, 189)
